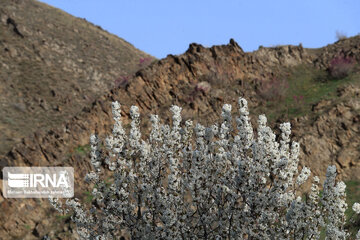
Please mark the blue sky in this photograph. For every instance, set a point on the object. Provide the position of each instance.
(162, 27)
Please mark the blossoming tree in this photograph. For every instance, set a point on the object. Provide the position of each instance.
(200, 182)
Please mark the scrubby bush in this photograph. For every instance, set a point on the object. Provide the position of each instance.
(340, 35)
(203, 87)
(144, 61)
(272, 90)
(199, 182)
(341, 66)
(122, 82)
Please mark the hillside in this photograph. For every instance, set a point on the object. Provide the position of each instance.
(287, 83)
(326, 123)
(52, 65)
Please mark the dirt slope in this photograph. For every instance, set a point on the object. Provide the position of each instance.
(52, 65)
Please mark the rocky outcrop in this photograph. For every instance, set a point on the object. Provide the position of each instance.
(348, 47)
(333, 136)
(285, 56)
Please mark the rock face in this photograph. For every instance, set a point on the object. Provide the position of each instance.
(52, 65)
(334, 136)
(330, 138)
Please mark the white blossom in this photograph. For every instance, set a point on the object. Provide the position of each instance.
(303, 176)
(215, 182)
(356, 208)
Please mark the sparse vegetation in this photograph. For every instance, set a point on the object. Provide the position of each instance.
(48, 75)
(341, 66)
(272, 90)
(122, 82)
(63, 217)
(85, 149)
(203, 87)
(309, 85)
(143, 62)
(88, 197)
(340, 35)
